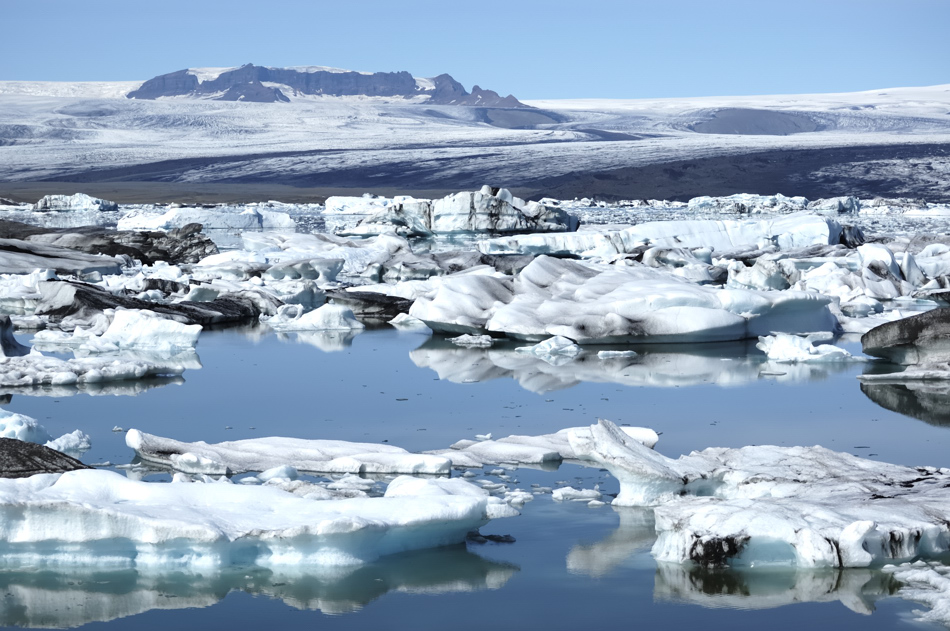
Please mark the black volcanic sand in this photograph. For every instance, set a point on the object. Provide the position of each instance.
(769, 172)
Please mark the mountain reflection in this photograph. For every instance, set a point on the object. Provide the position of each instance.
(725, 364)
(75, 597)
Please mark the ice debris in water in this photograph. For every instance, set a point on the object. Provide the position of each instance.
(791, 349)
(928, 584)
(29, 430)
(102, 518)
(329, 317)
(128, 329)
(557, 345)
(800, 506)
(473, 341)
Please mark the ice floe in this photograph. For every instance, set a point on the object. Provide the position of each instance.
(329, 317)
(210, 219)
(784, 348)
(128, 329)
(261, 454)
(101, 517)
(27, 429)
(798, 506)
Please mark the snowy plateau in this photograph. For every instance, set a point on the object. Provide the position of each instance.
(711, 395)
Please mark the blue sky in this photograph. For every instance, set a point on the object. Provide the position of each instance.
(551, 49)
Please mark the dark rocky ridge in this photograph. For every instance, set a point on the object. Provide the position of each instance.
(247, 84)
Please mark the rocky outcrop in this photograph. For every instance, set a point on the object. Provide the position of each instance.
(247, 84)
(20, 459)
(182, 245)
(922, 339)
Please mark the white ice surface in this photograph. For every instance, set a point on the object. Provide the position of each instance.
(596, 303)
(103, 519)
(795, 506)
(129, 329)
(261, 454)
(329, 317)
(784, 348)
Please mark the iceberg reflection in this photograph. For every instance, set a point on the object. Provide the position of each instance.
(74, 598)
(722, 364)
(856, 589)
(928, 401)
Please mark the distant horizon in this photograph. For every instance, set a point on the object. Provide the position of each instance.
(487, 85)
(605, 49)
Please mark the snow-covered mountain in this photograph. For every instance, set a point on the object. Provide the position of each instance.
(260, 84)
(409, 134)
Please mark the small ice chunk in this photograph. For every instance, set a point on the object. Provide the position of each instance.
(569, 493)
(283, 472)
(472, 341)
(790, 349)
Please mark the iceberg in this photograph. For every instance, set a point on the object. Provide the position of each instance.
(329, 317)
(593, 303)
(783, 348)
(210, 219)
(101, 518)
(129, 329)
(261, 454)
(768, 505)
(77, 202)
(788, 233)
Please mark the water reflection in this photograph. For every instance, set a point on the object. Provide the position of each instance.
(326, 341)
(727, 364)
(74, 598)
(635, 533)
(928, 401)
(130, 388)
(856, 589)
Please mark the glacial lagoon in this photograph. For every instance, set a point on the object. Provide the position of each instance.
(570, 565)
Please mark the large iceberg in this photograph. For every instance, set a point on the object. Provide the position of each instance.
(795, 506)
(103, 518)
(602, 304)
(489, 210)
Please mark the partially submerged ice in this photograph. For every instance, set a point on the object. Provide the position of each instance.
(128, 329)
(261, 454)
(784, 348)
(106, 519)
(799, 506)
(32, 368)
(601, 304)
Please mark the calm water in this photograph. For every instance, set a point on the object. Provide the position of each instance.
(571, 566)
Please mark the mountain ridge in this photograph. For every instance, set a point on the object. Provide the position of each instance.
(263, 84)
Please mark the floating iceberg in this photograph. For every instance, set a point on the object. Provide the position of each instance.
(27, 429)
(77, 202)
(102, 518)
(602, 304)
(129, 329)
(784, 348)
(329, 317)
(795, 506)
(261, 454)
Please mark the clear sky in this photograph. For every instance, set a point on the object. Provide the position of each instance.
(549, 49)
